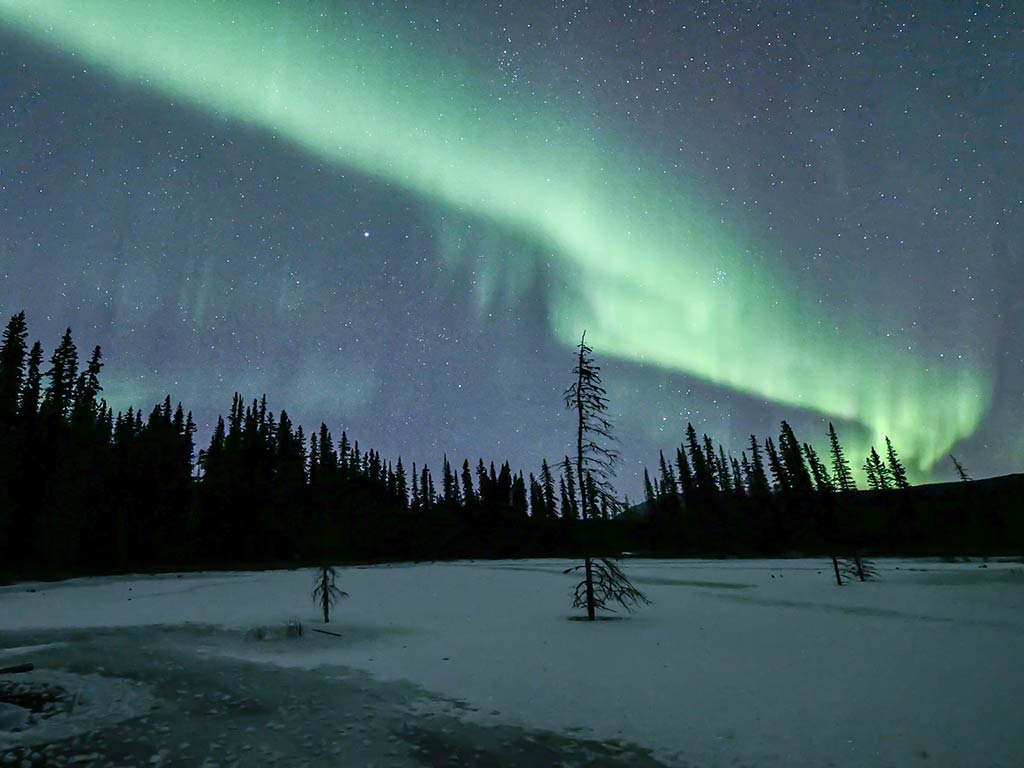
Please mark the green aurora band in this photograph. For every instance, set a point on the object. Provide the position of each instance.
(639, 256)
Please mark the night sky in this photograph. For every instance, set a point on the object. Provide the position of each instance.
(398, 218)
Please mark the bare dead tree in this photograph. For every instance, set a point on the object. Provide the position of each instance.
(325, 592)
(596, 457)
(960, 471)
(609, 585)
(859, 568)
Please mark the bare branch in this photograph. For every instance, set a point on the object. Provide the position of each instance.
(610, 586)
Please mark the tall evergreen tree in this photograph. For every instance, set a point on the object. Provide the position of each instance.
(428, 494)
(793, 459)
(504, 486)
(712, 463)
(877, 472)
(896, 469)
(737, 479)
(416, 501)
(483, 484)
(842, 477)
(669, 486)
(85, 407)
(570, 490)
(565, 505)
(685, 473)
(449, 486)
(314, 458)
(468, 494)
(290, 465)
(33, 387)
(518, 498)
(537, 509)
(780, 479)
(822, 479)
(547, 486)
(344, 455)
(328, 456)
(871, 474)
(724, 471)
(401, 485)
(13, 351)
(649, 495)
(703, 477)
(63, 373)
(756, 477)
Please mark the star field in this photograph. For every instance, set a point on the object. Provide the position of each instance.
(398, 218)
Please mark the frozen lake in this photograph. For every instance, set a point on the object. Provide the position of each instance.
(736, 663)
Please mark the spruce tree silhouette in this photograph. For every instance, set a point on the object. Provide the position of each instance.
(564, 505)
(822, 478)
(402, 482)
(792, 456)
(536, 498)
(570, 490)
(842, 476)
(756, 477)
(739, 488)
(13, 353)
(724, 471)
(547, 487)
(649, 494)
(712, 464)
(33, 388)
(703, 478)
(896, 469)
(876, 471)
(669, 486)
(685, 475)
(58, 395)
(780, 478)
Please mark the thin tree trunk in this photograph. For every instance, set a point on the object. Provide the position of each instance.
(590, 588)
(835, 567)
(583, 486)
(326, 597)
(860, 568)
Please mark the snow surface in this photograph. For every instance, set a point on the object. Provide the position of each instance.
(759, 663)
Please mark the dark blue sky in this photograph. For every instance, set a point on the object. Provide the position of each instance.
(873, 151)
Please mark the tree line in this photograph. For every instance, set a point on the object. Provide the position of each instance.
(85, 489)
(781, 496)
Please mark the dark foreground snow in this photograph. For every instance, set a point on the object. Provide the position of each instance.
(147, 697)
(742, 663)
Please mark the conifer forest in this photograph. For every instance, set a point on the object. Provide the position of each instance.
(84, 489)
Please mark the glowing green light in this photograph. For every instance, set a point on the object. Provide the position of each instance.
(643, 256)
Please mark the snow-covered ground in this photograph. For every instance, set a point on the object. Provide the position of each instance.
(735, 663)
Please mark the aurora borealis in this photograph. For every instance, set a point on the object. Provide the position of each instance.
(401, 220)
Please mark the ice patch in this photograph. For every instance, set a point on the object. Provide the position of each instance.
(20, 650)
(91, 702)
